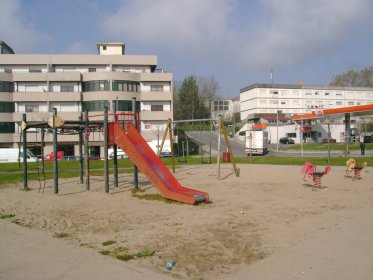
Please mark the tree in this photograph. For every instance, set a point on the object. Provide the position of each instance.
(190, 103)
(176, 102)
(362, 78)
(208, 90)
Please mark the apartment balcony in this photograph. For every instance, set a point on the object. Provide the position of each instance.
(44, 116)
(98, 95)
(6, 117)
(6, 77)
(64, 76)
(33, 137)
(155, 115)
(64, 96)
(30, 96)
(47, 76)
(155, 77)
(124, 76)
(6, 97)
(9, 138)
(156, 96)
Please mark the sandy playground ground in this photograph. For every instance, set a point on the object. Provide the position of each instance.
(266, 211)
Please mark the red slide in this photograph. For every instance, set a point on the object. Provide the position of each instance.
(139, 152)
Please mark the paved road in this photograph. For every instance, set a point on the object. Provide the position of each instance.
(238, 147)
(27, 253)
(205, 137)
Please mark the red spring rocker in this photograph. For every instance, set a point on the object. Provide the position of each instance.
(309, 171)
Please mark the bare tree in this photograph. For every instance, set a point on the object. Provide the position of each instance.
(208, 89)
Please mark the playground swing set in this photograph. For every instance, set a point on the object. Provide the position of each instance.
(222, 131)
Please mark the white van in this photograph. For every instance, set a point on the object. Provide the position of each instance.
(120, 154)
(13, 155)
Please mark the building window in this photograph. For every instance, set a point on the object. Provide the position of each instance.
(125, 105)
(91, 69)
(67, 88)
(156, 87)
(7, 127)
(351, 103)
(95, 86)
(129, 86)
(291, 135)
(35, 70)
(32, 108)
(6, 87)
(95, 105)
(6, 107)
(156, 108)
(104, 48)
(221, 105)
(338, 103)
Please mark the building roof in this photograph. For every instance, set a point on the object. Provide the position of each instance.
(300, 86)
(6, 46)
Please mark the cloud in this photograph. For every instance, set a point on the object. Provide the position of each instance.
(267, 33)
(15, 29)
(174, 25)
(295, 30)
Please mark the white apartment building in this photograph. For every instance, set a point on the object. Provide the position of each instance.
(225, 108)
(278, 102)
(298, 99)
(34, 84)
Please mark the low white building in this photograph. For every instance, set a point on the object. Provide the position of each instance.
(275, 104)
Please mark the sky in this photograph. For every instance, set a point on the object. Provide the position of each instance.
(237, 42)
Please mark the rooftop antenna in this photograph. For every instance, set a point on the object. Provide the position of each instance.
(272, 76)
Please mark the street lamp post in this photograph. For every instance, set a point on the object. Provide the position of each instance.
(276, 92)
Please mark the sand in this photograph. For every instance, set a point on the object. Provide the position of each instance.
(255, 222)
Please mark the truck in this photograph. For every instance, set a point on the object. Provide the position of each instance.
(16, 155)
(256, 142)
(120, 154)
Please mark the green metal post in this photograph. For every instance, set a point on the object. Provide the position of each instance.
(115, 148)
(24, 140)
(55, 163)
(106, 162)
(86, 151)
(135, 169)
(81, 150)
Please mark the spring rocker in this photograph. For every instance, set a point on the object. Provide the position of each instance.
(353, 167)
(309, 171)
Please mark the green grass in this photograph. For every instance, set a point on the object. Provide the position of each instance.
(6, 215)
(145, 253)
(324, 147)
(108, 242)
(104, 252)
(154, 197)
(61, 235)
(12, 173)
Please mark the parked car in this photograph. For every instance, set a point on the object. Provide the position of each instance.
(94, 157)
(368, 139)
(286, 140)
(69, 158)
